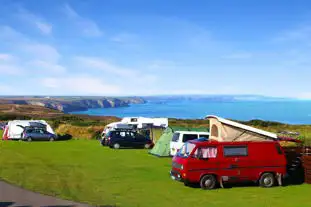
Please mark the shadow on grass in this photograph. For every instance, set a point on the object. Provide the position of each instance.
(8, 204)
(64, 137)
(295, 178)
(60, 137)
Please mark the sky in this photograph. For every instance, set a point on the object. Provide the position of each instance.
(154, 47)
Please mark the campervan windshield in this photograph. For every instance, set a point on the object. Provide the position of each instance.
(186, 149)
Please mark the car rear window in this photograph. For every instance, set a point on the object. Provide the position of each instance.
(175, 137)
(188, 137)
(235, 151)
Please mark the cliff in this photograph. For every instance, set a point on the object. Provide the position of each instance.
(70, 104)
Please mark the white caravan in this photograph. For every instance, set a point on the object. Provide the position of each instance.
(180, 137)
(14, 129)
(142, 122)
(115, 125)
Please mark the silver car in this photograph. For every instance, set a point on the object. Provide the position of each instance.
(38, 134)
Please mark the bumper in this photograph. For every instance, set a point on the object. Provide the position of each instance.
(176, 176)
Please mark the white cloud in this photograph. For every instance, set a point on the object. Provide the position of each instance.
(6, 89)
(7, 33)
(86, 26)
(124, 38)
(5, 57)
(41, 51)
(48, 67)
(38, 22)
(70, 12)
(9, 65)
(80, 85)
(162, 65)
(29, 55)
(45, 28)
(132, 81)
(244, 55)
(97, 63)
(10, 69)
(136, 77)
(300, 33)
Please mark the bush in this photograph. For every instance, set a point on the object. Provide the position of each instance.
(55, 124)
(257, 122)
(96, 134)
(7, 117)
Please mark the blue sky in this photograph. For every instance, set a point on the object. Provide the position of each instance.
(150, 47)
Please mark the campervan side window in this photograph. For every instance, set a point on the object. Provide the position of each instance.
(230, 151)
(175, 137)
(206, 152)
(204, 136)
(188, 137)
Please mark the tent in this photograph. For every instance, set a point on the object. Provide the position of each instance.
(14, 129)
(162, 146)
(227, 130)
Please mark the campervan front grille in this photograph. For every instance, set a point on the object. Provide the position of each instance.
(176, 165)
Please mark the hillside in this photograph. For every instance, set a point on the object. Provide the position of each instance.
(70, 104)
(89, 127)
(16, 110)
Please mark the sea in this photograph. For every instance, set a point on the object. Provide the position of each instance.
(284, 111)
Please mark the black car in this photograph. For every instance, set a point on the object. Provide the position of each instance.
(117, 139)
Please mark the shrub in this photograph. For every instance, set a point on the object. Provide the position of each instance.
(7, 117)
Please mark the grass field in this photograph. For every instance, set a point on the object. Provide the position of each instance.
(82, 170)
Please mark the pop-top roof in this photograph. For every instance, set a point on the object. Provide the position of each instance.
(242, 126)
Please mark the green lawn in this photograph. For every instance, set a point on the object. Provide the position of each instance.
(85, 171)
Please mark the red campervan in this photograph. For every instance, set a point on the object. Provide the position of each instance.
(212, 162)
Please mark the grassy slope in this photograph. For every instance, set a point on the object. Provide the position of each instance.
(84, 171)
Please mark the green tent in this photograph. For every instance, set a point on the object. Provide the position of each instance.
(162, 146)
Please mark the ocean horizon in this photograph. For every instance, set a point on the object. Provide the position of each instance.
(284, 111)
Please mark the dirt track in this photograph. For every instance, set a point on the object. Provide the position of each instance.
(13, 196)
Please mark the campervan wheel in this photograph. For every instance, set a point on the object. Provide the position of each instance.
(208, 182)
(29, 139)
(267, 180)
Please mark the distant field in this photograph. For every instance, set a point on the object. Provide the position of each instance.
(85, 171)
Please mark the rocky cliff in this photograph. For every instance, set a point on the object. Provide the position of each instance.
(68, 104)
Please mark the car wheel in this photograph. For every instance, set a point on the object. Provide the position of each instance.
(267, 180)
(208, 182)
(116, 146)
(29, 139)
(147, 146)
(52, 139)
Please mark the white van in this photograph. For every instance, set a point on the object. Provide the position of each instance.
(180, 137)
